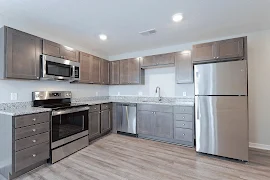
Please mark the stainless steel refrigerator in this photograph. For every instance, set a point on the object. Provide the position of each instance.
(221, 104)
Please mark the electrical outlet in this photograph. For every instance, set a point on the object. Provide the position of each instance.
(96, 93)
(13, 96)
(140, 93)
(118, 94)
(184, 93)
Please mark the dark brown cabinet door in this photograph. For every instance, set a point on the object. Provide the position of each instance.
(85, 67)
(124, 72)
(232, 48)
(105, 119)
(149, 61)
(183, 68)
(146, 122)
(22, 55)
(104, 71)
(95, 70)
(134, 70)
(204, 52)
(114, 72)
(164, 125)
(94, 124)
(51, 48)
(165, 59)
(69, 53)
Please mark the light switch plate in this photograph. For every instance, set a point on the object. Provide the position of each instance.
(96, 93)
(140, 93)
(184, 93)
(118, 93)
(13, 96)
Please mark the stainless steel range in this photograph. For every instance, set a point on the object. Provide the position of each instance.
(69, 123)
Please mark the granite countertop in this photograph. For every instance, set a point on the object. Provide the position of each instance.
(23, 110)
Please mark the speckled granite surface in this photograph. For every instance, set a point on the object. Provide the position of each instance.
(22, 108)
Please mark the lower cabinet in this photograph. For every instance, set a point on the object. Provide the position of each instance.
(173, 124)
(99, 120)
(94, 124)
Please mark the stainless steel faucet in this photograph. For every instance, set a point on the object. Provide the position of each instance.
(158, 91)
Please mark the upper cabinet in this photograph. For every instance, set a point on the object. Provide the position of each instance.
(20, 54)
(104, 71)
(161, 60)
(57, 50)
(114, 72)
(220, 50)
(95, 70)
(183, 68)
(85, 67)
(131, 72)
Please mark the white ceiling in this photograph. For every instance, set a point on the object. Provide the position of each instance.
(81, 21)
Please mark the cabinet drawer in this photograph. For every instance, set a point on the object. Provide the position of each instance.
(31, 141)
(105, 106)
(183, 124)
(31, 130)
(183, 134)
(183, 109)
(30, 156)
(156, 108)
(183, 117)
(94, 108)
(31, 119)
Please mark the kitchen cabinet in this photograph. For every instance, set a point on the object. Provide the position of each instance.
(229, 49)
(85, 67)
(173, 124)
(183, 68)
(104, 71)
(99, 120)
(105, 120)
(94, 124)
(20, 54)
(95, 70)
(145, 122)
(232, 48)
(54, 49)
(115, 72)
(161, 60)
(164, 125)
(131, 72)
(124, 71)
(204, 52)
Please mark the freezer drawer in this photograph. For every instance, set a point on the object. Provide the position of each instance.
(223, 78)
(222, 126)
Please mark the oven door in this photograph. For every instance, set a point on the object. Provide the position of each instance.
(59, 69)
(69, 125)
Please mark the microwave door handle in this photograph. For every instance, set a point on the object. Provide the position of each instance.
(83, 123)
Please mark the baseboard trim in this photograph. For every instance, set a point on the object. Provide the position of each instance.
(259, 146)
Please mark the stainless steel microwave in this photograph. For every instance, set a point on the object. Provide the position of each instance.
(53, 68)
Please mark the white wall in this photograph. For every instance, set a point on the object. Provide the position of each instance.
(162, 77)
(259, 82)
(25, 88)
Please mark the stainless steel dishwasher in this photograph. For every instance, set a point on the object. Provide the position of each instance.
(127, 118)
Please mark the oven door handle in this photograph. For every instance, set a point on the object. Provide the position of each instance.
(68, 111)
(83, 123)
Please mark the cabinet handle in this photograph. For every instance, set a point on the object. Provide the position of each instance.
(183, 134)
(34, 155)
(217, 57)
(34, 130)
(183, 117)
(34, 141)
(183, 110)
(34, 119)
(183, 124)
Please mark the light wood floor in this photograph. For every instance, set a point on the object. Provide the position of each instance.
(121, 157)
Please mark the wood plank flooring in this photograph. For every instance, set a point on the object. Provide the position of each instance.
(117, 157)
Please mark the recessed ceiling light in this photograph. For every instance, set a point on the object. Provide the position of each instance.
(103, 37)
(177, 17)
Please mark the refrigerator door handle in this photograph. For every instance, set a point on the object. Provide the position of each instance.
(197, 108)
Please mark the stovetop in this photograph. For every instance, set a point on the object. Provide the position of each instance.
(63, 106)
